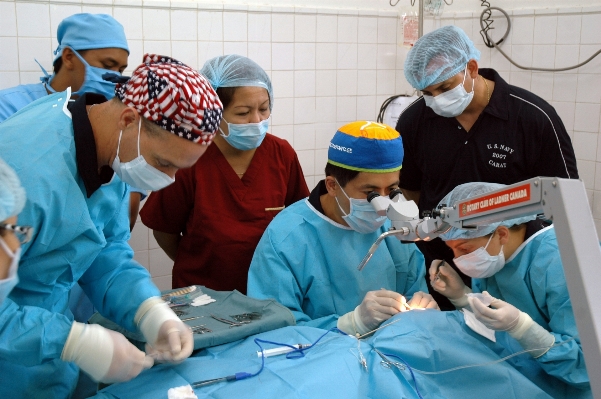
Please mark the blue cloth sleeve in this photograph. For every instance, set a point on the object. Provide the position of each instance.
(115, 283)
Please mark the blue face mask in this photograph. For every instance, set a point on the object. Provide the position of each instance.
(93, 80)
(362, 217)
(246, 136)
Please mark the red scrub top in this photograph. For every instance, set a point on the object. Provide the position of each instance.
(222, 217)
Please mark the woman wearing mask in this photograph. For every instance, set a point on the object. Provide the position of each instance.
(211, 219)
(517, 266)
(12, 200)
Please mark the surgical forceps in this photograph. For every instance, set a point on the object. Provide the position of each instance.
(230, 322)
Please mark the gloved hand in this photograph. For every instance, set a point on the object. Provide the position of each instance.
(105, 355)
(376, 307)
(168, 338)
(503, 316)
(421, 300)
(506, 317)
(445, 280)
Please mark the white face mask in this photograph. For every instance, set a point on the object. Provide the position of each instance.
(480, 264)
(8, 284)
(453, 102)
(138, 173)
(362, 217)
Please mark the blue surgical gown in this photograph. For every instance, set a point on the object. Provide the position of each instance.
(15, 98)
(534, 282)
(308, 263)
(75, 238)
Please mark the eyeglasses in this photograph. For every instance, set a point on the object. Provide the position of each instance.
(23, 233)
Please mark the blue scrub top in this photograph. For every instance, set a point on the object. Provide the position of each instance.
(533, 281)
(76, 238)
(308, 263)
(15, 98)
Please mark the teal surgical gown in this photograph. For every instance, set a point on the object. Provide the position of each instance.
(76, 238)
(15, 98)
(308, 263)
(533, 281)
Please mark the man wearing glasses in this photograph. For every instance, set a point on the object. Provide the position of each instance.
(12, 200)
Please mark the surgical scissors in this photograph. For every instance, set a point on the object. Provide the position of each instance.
(230, 322)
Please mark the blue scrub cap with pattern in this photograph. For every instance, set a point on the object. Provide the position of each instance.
(439, 55)
(468, 190)
(90, 32)
(236, 71)
(12, 195)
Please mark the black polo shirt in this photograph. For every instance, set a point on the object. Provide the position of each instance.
(518, 136)
(85, 145)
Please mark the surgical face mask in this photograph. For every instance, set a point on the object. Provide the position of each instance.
(480, 264)
(138, 173)
(453, 102)
(246, 136)
(362, 216)
(8, 284)
(93, 80)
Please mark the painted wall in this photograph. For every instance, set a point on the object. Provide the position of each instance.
(329, 66)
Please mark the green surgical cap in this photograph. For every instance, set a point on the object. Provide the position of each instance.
(439, 55)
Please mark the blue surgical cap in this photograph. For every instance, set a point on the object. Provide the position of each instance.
(90, 32)
(439, 55)
(12, 195)
(468, 190)
(236, 71)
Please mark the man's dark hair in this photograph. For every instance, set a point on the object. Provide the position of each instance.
(59, 61)
(342, 175)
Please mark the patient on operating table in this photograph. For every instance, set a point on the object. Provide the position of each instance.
(307, 258)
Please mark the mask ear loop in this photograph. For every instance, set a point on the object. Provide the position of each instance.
(349, 199)
(8, 251)
(139, 129)
(473, 81)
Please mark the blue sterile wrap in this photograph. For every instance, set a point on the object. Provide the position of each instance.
(427, 340)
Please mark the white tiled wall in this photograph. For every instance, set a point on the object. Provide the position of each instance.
(328, 66)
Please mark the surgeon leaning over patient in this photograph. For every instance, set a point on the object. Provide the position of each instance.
(12, 235)
(307, 258)
(91, 47)
(517, 263)
(67, 155)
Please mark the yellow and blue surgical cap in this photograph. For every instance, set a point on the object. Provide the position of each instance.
(12, 195)
(439, 55)
(367, 146)
(90, 32)
(470, 190)
(236, 71)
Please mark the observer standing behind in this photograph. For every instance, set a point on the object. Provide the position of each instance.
(471, 125)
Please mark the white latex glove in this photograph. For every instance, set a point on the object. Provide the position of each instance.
(445, 280)
(378, 306)
(502, 317)
(168, 338)
(421, 300)
(105, 355)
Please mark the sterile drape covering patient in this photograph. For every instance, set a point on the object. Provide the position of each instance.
(211, 219)
(73, 159)
(307, 259)
(432, 343)
(516, 264)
